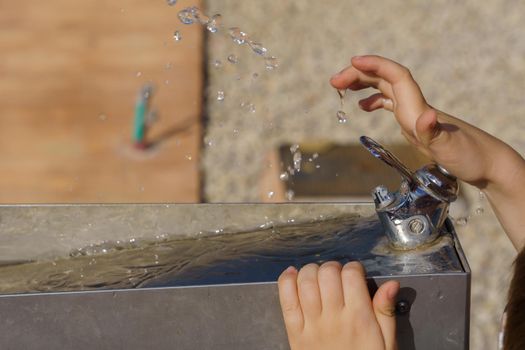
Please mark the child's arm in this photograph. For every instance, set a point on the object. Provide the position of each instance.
(466, 151)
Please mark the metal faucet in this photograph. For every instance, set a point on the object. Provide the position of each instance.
(413, 216)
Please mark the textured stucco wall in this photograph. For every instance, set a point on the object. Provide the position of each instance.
(469, 58)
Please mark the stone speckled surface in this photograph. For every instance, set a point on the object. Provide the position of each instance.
(468, 58)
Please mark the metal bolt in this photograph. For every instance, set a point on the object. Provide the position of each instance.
(402, 307)
(416, 226)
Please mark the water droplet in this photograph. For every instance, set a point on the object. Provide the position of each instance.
(284, 176)
(258, 48)
(462, 221)
(103, 117)
(138, 75)
(318, 166)
(200, 16)
(482, 195)
(251, 108)
(271, 62)
(214, 23)
(271, 194)
(341, 117)
(220, 96)
(188, 157)
(290, 195)
(480, 211)
(297, 159)
(167, 82)
(315, 155)
(235, 132)
(238, 36)
(171, 2)
(187, 16)
(294, 148)
(168, 66)
(233, 59)
(217, 64)
(177, 36)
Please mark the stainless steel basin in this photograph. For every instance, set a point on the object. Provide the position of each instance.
(203, 276)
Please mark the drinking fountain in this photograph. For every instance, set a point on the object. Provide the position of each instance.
(203, 276)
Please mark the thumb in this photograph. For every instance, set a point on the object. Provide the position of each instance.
(427, 127)
(384, 309)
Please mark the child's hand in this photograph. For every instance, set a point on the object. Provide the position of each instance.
(329, 307)
(466, 151)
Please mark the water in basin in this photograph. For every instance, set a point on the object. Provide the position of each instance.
(230, 257)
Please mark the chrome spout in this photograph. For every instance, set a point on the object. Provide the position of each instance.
(414, 215)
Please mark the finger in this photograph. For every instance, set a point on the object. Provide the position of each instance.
(384, 309)
(356, 295)
(427, 127)
(382, 67)
(289, 299)
(405, 91)
(330, 287)
(309, 294)
(353, 79)
(376, 101)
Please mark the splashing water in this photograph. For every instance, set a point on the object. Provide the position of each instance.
(285, 176)
(214, 23)
(217, 64)
(177, 36)
(271, 194)
(341, 117)
(271, 62)
(290, 195)
(297, 160)
(233, 59)
(200, 16)
(220, 96)
(191, 15)
(258, 48)
(172, 2)
(187, 16)
(462, 221)
(238, 36)
(294, 148)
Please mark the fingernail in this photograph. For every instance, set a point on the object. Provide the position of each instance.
(291, 269)
(338, 74)
(392, 293)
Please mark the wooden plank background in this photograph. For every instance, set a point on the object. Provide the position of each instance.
(70, 73)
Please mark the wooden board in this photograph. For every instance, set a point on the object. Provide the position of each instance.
(70, 73)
